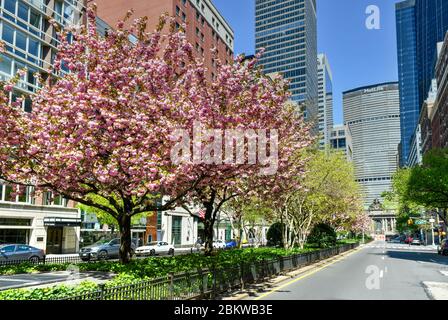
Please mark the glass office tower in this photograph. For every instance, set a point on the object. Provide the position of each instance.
(286, 29)
(408, 74)
(420, 25)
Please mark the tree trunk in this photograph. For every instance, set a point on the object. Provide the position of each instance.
(208, 228)
(125, 234)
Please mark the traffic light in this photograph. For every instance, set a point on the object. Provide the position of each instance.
(410, 222)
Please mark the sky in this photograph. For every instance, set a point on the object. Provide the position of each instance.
(358, 56)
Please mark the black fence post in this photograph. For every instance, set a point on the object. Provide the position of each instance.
(171, 279)
(242, 275)
(214, 283)
(102, 289)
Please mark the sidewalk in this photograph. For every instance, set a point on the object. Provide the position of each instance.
(42, 280)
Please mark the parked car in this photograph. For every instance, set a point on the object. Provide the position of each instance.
(396, 240)
(389, 238)
(443, 248)
(416, 242)
(219, 244)
(104, 249)
(20, 252)
(153, 248)
(231, 244)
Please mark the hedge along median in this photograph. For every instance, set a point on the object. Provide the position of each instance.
(138, 270)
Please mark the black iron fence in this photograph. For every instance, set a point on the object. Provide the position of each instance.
(208, 283)
(75, 259)
(38, 260)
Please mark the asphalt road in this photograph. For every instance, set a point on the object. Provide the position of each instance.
(377, 271)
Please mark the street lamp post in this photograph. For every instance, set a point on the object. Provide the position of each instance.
(432, 230)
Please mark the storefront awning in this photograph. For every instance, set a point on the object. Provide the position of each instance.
(62, 222)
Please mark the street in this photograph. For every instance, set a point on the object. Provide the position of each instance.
(377, 271)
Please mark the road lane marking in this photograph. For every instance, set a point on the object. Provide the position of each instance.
(306, 275)
(445, 273)
(13, 280)
(381, 274)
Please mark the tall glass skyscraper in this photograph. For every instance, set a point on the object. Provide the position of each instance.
(325, 99)
(372, 117)
(407, 74)
(420, 25)
(287, 30)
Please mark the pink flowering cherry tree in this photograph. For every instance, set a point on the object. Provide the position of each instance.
(100, 134)
(117, 132)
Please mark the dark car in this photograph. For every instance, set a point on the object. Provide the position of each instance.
(443, 248)
(104, 249)
(20, 252)
(231, 244)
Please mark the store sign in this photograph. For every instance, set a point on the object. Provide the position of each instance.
(62, 222)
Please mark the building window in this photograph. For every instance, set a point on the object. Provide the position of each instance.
(14, 222)
(9, 193)
(184, 2)
(10, 5)
(184, 17)
(177, 10)
(58, 11)
(176, 230)
(50, 200)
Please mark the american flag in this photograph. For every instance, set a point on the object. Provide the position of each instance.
(202, 214)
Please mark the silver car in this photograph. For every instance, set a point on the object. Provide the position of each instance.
(103, 250)
(11, 253)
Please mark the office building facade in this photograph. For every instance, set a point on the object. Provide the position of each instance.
(45, 221)
(421, 24)
(325, 99)
(439, 122)
(372, 114)
(205, 29)
(287, 31)
(340, 139)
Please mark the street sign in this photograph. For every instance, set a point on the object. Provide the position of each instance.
(420, 222)
(432, 220)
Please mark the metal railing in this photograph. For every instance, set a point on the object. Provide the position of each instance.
(77, 259)
(209, 283)
(36, 261)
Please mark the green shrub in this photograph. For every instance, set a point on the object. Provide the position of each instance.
(322, 235)
(140, 269)
(275, 235)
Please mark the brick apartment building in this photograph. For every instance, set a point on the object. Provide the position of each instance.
(440, 120)
(206, 28)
